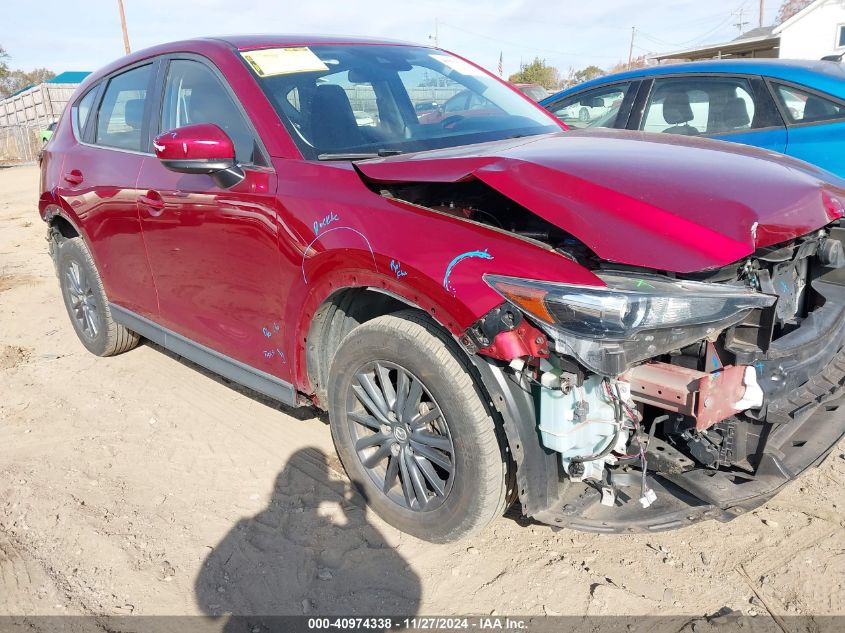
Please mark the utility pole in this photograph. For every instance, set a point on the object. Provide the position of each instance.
(436, 36)
(123, 27)
(631, 48)
(762, 9)
(741, 25)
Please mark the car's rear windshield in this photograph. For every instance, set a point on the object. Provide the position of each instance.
(368, 99)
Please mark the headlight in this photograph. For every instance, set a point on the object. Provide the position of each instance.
(632, 318)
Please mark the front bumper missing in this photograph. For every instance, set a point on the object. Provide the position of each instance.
(797, 374)
(684, 498)
(803, 378)
(709, 398)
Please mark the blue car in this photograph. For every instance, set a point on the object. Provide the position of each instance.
(793, 107)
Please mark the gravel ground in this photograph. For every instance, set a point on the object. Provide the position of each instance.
(143, 485)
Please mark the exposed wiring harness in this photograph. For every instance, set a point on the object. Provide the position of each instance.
(647, 495)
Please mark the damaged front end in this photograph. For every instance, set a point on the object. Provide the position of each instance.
(663, 399)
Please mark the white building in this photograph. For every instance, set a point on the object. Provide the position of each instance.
(816, 31)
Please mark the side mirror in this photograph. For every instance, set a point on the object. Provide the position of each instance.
(200, 149)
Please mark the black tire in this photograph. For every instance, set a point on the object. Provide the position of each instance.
(86, 302)
(476, 491)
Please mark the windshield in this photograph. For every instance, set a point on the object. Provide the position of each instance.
(360, 100)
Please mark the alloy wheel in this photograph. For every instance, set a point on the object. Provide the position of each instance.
(82, 301)
(400, 435)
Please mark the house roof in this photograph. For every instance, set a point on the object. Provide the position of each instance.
(760, 31)
(69, 77)
(764, 39)
(759, 38)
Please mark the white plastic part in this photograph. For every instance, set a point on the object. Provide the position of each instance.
(517, 364)
(608, 496)
(550, 380)
(581, 423)
(648, 498)
(753, 396)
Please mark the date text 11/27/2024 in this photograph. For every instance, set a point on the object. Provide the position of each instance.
(420, 624)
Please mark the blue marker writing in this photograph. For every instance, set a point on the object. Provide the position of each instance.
(321, 224)
(396, 267)
(469, 254)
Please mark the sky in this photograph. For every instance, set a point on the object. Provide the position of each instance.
(85, 34)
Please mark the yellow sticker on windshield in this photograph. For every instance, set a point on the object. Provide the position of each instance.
(283, 61)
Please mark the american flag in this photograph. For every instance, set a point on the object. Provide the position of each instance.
(501, 68)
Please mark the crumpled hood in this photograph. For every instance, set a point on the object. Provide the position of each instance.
(660, 201)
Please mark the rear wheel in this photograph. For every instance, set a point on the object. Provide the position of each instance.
(86, 302)
(412, 430)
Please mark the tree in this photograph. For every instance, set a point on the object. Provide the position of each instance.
(790, 8)
(4, 67)
(585, 74)
(537, 72)
(638, 62)
(13, 80)
(18, 79)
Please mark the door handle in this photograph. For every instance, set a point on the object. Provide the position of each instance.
(153, 200)
(74, 177)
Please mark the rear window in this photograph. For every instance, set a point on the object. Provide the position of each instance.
(83, 109)
(121, 114)
(805, 107)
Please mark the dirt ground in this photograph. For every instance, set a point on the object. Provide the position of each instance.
(141, 484)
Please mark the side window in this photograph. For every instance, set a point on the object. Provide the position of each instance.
(83, 109)
(595, 108)
(121, 114)
(701, 106)
(840, 39)
(193, 94)
(805, 107)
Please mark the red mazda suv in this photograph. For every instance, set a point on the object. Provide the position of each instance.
(620, 331)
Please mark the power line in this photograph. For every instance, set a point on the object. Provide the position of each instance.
(522, 46)
(698, 38)
(740, 25)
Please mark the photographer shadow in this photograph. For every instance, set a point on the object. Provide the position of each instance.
(310, 552)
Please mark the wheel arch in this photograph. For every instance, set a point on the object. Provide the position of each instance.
(340, 312)
(60, 228)
(55, 215)
(509, 405)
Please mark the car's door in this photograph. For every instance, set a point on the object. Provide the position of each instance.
(816, 125)
(726, 107)
(99, 182)
(604, 106)
(214, 252)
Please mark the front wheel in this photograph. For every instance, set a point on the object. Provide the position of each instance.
(412, 430)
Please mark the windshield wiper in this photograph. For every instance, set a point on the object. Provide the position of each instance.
(358, 155)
